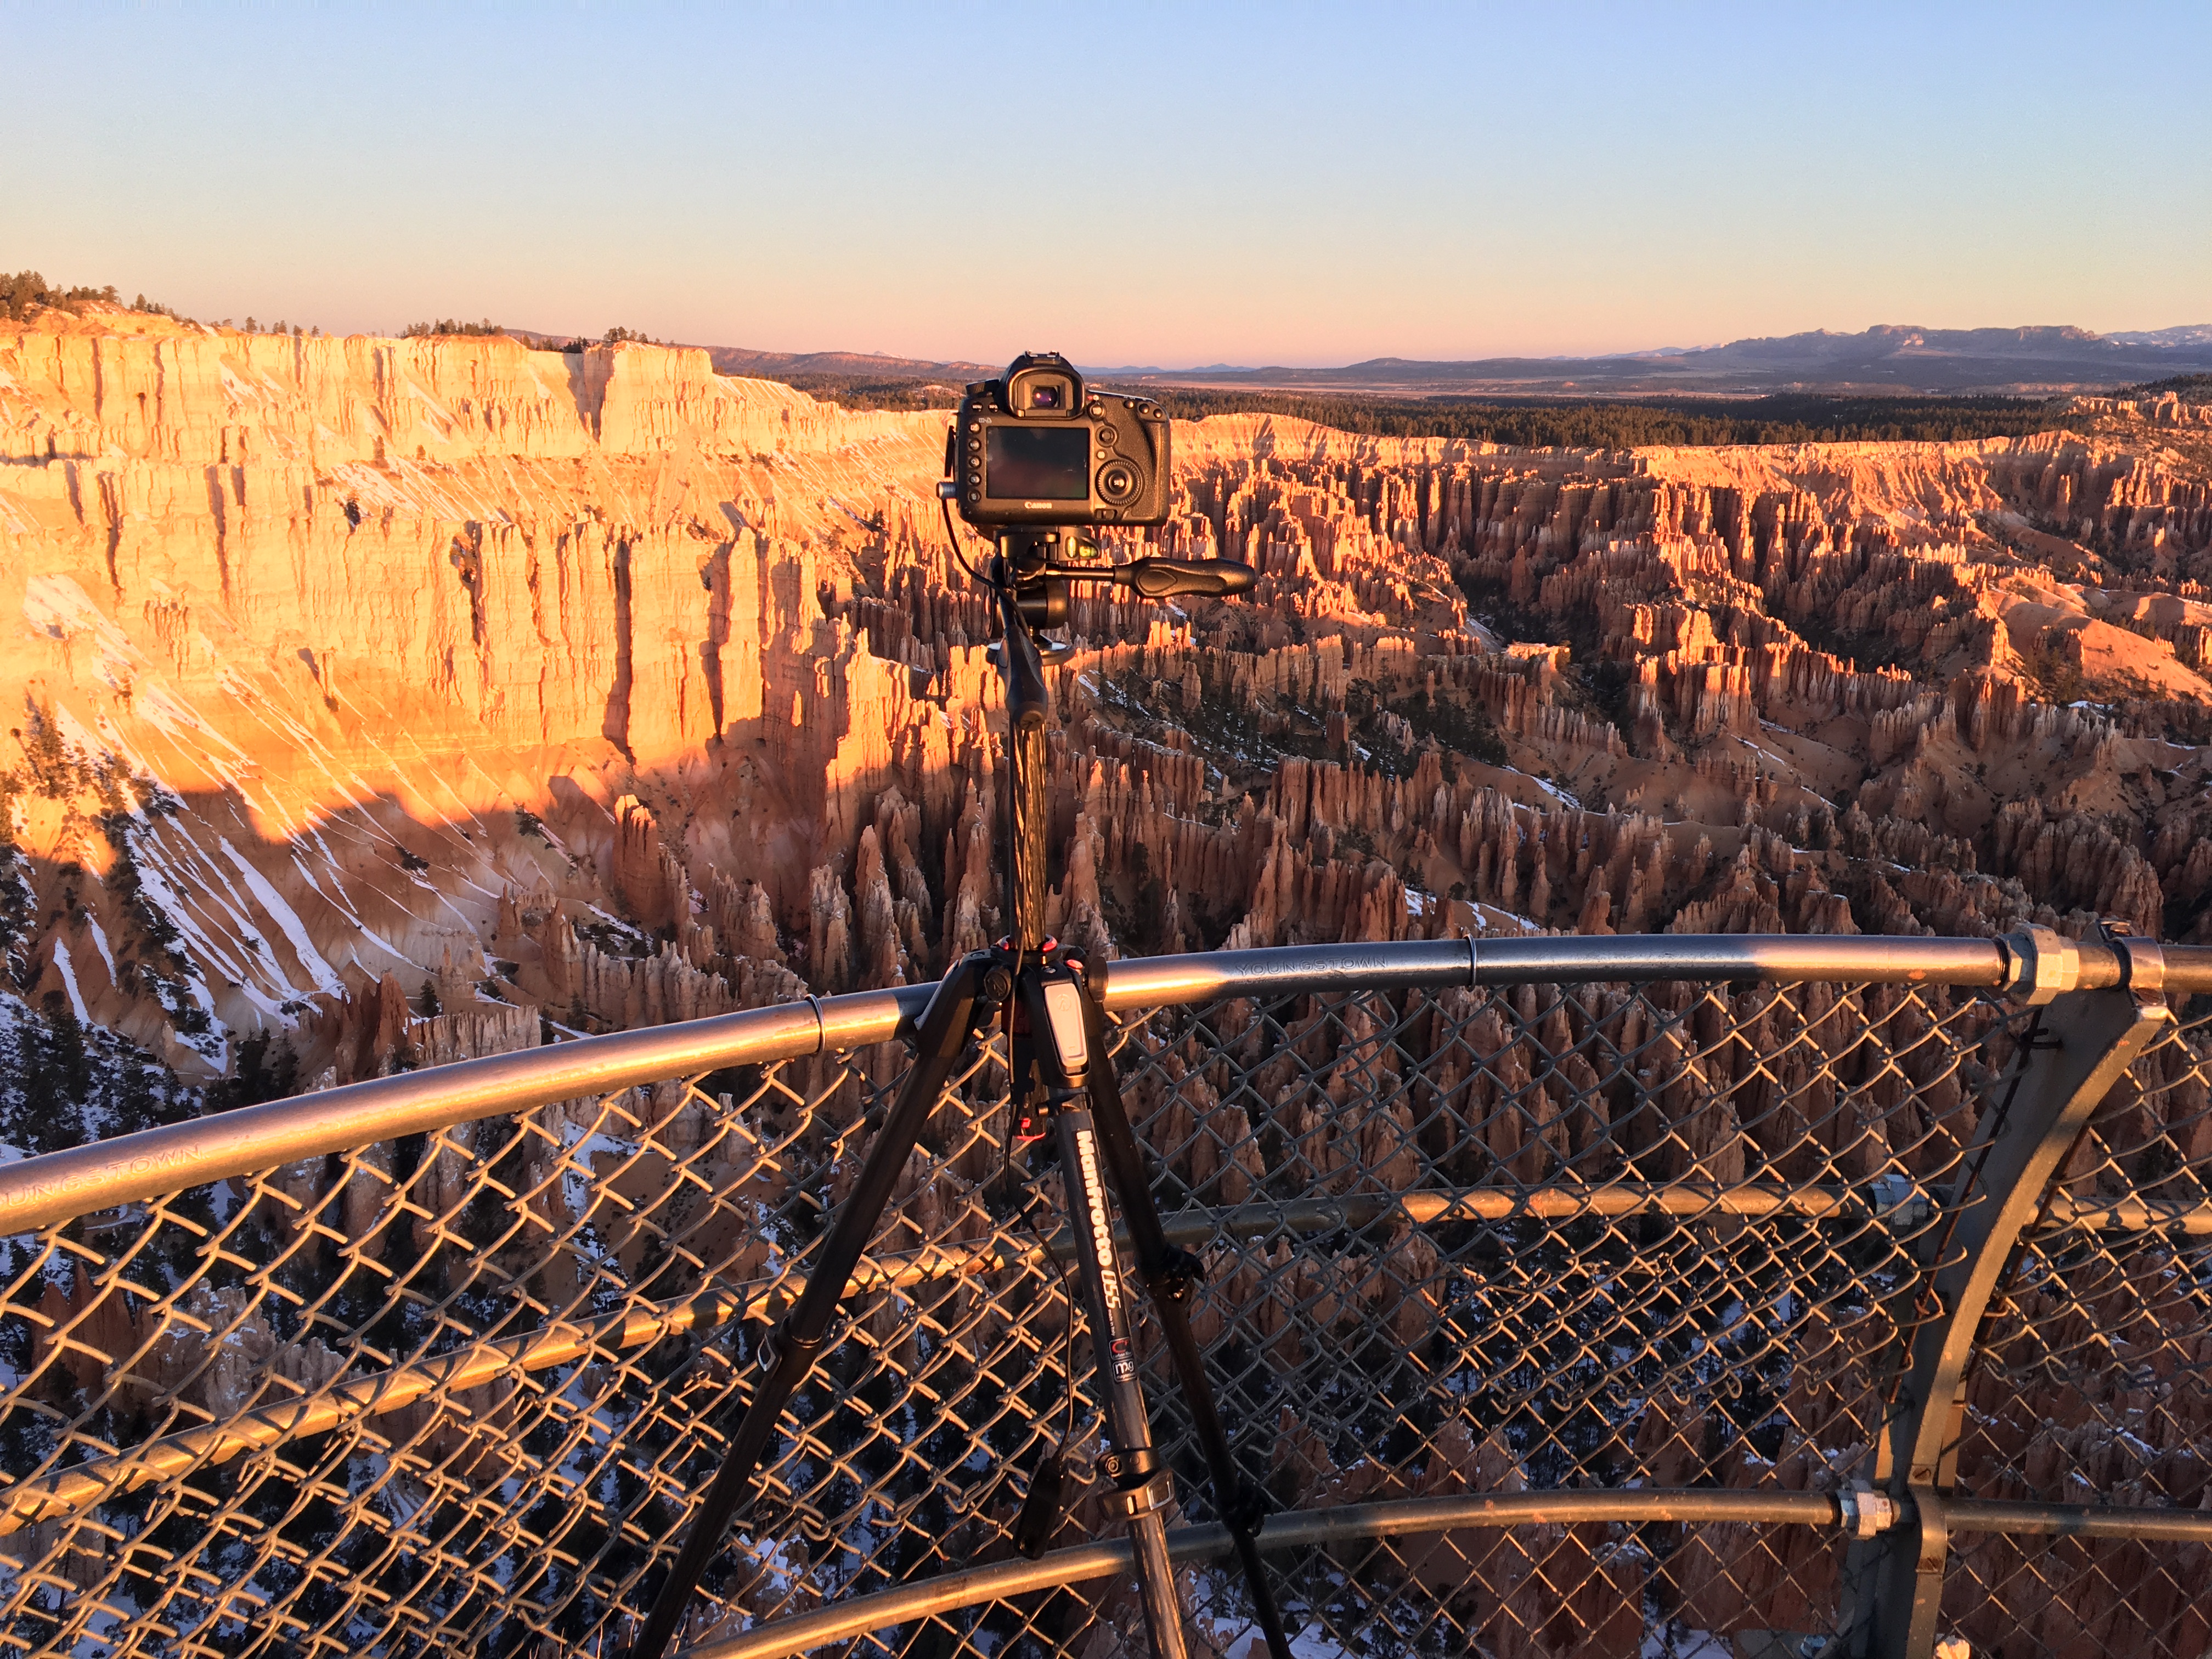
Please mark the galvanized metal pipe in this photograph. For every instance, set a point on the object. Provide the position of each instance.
(2137, 1526)
(1408, 963)
(2019, 1145)
(99, 1176)
(1003, 1580)
(82, 1179)
(1772, 959)
(1685, 1200)
(93, 1482)
(42, 1190)
(2124, 1215)
(83, 1485)
(1289, 970)
(90, 1482)
(1306, 1529)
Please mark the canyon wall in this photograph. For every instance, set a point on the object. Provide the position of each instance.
(385, 700)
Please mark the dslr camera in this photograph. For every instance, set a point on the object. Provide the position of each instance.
(1036, 447)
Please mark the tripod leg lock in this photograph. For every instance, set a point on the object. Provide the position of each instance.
(1176, 1276)
(1156, 1494)
(782, 1341)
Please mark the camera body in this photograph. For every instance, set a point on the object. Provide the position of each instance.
(1036, 447)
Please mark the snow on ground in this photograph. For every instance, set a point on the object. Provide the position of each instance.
(288, 921)
(61, 959)
(1675, 1642)
(1306, 1644)
(57, 607)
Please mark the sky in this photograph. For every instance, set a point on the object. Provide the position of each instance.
(1129, 184)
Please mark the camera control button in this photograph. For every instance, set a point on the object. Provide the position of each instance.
(1119, 483)
(1108, 437)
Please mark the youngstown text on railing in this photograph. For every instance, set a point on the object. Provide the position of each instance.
(1567, 1293)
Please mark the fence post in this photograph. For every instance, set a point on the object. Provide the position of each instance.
(2081, 1044)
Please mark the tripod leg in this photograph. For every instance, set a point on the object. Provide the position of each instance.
(944, 1031)
(1142, 1486)
(1171, 1275)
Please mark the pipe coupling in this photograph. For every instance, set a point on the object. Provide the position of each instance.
(1868, 1513)
(2042, 965)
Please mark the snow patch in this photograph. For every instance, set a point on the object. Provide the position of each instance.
(1673, 1643)
(100, 943)
(288, 922)
(57, 607)
(69, 982)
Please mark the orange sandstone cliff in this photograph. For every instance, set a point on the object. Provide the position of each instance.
(393, 701)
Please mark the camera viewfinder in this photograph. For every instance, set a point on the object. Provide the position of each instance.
(1040, 393)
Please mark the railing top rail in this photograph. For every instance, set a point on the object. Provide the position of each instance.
(40, 1191)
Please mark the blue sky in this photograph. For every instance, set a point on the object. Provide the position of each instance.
(1127, 183)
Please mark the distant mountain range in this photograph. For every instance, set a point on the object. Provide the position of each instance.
(1888, 358)
(2199, 336)
(779, 365)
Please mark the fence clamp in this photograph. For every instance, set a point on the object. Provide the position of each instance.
(2041, 965)
(2143, 961)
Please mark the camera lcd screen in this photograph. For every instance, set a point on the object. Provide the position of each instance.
(1039, 464)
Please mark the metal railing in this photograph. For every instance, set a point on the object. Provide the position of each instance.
(1571, 1294)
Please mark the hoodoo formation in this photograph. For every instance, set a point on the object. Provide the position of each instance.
(375, 702)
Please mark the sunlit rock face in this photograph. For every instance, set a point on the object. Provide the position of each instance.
(384, 701)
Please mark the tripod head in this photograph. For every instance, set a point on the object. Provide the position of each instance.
(1044, 560)
(1040, 561)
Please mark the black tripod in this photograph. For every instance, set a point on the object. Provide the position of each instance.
(1049, 1002)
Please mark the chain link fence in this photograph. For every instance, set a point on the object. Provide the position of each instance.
(2094, 1381)
(1500, 1280)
